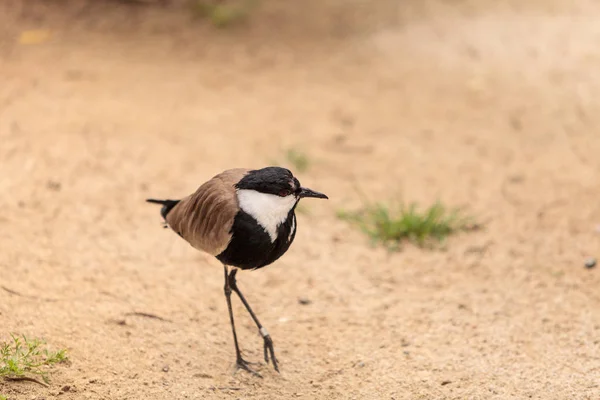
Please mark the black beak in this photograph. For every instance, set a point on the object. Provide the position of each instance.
(306, 192)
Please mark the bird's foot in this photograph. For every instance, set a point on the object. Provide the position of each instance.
(269, 350)
(240, 363)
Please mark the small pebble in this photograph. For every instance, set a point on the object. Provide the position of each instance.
(166, 368)
(65, 388)
(304, 301)
(590, 263)
(53, 185)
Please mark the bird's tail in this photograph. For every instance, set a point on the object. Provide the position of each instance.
(167, 205)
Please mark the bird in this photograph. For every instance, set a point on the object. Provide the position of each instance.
(246, 219)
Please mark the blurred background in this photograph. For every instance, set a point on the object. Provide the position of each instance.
(492, 107)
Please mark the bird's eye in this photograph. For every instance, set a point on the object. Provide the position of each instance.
(284, 192)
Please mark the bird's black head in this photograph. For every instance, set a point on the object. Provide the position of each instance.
(277, 181)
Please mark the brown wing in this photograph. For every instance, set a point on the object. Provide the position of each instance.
(205, 217)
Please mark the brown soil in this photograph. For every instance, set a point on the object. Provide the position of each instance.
(491, 106)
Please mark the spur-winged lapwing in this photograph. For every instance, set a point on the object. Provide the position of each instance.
(245, 218)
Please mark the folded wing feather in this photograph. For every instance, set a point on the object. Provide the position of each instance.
(205, 217)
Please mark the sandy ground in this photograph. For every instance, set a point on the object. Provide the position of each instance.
(492, 107)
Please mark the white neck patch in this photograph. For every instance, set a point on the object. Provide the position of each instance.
(268, 210)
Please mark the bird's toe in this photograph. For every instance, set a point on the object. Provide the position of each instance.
(245, 365)
(270, 352)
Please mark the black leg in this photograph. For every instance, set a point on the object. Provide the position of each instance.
(239, 361)
(268, 346)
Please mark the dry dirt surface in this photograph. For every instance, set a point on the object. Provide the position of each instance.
(493, 106)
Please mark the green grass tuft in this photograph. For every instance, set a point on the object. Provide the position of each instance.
(297, 159)
(294, 159)
(223, 15)
(392, 225)
(23, 357)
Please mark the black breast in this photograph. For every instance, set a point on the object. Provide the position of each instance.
(251, 245)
